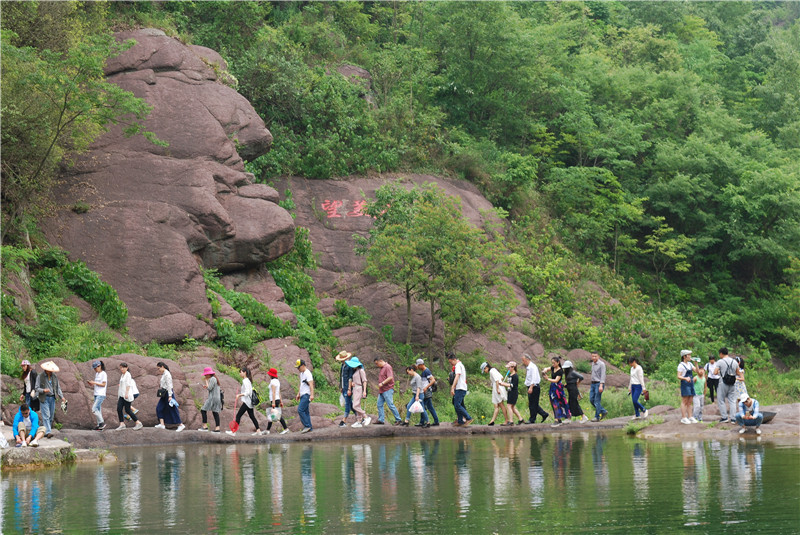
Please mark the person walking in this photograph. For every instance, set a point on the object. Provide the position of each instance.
(685, 376)
(513, 392)
(213, 403)
(167, 407)
(458, 390)
(48, 389)
(699, 394)
(417, 384)
(386, 392)
(598, 379)
(99, 384)
(748, 414)
(345, 385)
(499, 392)
(571, 380)
(430, 385)
(636, 386)
(246, 395)
(28, 395)
(557, 398)
(359, 391)
(275, 401)
(726, 368)
(125, 395)
(533, 388)
(712, 379)
(305, 395)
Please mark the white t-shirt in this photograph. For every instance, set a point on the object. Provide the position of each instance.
(100, 378)
(305, 379)
(684, 368)
(126, 381)
(532, 376)
(461, 384)
(276, 385)
(247, 392)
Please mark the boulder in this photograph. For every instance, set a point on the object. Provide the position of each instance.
(158, 214)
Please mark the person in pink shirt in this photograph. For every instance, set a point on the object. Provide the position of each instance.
(386, 391)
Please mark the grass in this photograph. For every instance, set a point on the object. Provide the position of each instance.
(634, 426)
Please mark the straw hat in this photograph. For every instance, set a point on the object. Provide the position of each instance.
(343, 356)
(50, 366)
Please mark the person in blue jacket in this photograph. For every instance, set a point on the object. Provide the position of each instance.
(26, 428)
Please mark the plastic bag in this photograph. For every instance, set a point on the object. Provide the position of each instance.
(341, 399)
(416, 408)
(275, 414)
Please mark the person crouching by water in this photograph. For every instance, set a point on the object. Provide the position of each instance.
(275, 401)
(499, 393)
(100, 383)
(167, 408)
(246, 395)
(345, 374)
(572, 378)
(749, 414)
(417, 386)
(359, 391)
(125, 396)
(48, 389)
(214, 401)
(26, 428)
(557, 398)
(636, 387)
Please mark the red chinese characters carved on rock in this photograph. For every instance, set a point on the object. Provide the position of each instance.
(332, 208)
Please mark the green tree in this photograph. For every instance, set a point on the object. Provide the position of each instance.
(667, 250)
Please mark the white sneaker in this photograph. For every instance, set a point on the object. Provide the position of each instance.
(634, 417)
(685, 421)
(568, 420)
(180, 428)
(584, 418)
(205, 429)
(34, 443)
(285, 431)
(265, 432)
(138, 426)
(367, 421)
(741, 431)
(159, 426)
(646, 412)
(121, 426)
(758, 432)
(257, 433)
(357, 424)
(694, 420)
(231, 433)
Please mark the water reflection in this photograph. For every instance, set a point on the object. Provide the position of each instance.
(471, 485)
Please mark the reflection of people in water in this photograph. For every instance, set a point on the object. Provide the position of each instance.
(601, 472)
(130, 479)
(102, 499)
(309, 483)
(640, 475)
(689, 483)
(170, 466)
(536, 473)
(463, 484)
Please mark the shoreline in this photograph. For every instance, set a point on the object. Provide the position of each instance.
(78, 445)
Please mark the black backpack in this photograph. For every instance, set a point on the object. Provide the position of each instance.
(255, 398)
(730, 377)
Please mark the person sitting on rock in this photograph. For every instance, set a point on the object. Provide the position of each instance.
(749, 415)
(26, 428)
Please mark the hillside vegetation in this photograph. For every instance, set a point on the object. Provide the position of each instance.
(650, 149)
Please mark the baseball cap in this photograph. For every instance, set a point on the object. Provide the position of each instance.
(300, 362)
(420, 362)
(95, 364)
(483, 366)
(685, 352)
(743, 398)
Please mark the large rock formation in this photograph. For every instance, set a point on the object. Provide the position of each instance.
(156, 214)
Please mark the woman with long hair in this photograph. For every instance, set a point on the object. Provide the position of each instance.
(557, 398)
(686, 371)
(28, 395)
(513, 392)
(99, 385)
(739, 387)
(358, 382)
(246, 393)
(572, 378)
(499, 393)
(214, 401)
(636, 387)
(167, 408)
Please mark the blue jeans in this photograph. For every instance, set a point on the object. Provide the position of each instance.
(388, 398)
(428, 404)
(754, 422)
(348, 404)
(303, 412)
(458, 404)
(594, 398)
(98, 414)
(423, 417)
(636, 391)
(48, 413)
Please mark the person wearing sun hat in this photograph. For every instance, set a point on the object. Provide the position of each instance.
(48, 389)
(359, 391)
(345, 374)
(214, 401)
(305, 395)
(275, 402)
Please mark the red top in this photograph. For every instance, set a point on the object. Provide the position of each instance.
(385, 373)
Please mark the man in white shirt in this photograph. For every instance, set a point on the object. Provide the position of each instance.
(458, 390)
(532, 380)
(305, 395)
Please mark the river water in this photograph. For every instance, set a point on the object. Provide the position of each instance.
(576, 483)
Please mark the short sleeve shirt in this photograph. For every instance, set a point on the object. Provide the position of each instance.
(417, 383)
(461, 384)
(100, 378)
(426, 378)
(276, 385)
(305, 379)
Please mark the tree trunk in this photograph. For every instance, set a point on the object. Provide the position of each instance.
(408, 315)
(433, 322)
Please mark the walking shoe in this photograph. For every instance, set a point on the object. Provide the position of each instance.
(205, 429)
(120, 426)
(231, 433)
(159, 426)
(427, 425)
(457, 424)
(138, 426)
(685, 421)
(342, 424)
(646, 413)
(379, 422)
(435, 424)
(520, 422)
(567, 421)
(265, 432)
(101, 427)
(557, 424)
(490, 423)
(585, 419)
(419, 425)
(741, 431)
(693, 420)
(34, 443)
(306, 430)
(398, 422)
(18, 445)
(257, 433)
(545, 417)
(49, 435)
(603, 415)
(180, 428)
(758, 430)
(285, 431)
(367, 421)
(723, 420)
(595, 419)
(215, 431)
(404, 424)
(468, 422)
(357, 424)
(636, 418)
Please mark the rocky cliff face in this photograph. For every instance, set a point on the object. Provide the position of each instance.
(157, 214)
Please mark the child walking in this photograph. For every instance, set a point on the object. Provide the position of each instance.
(275, 400)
